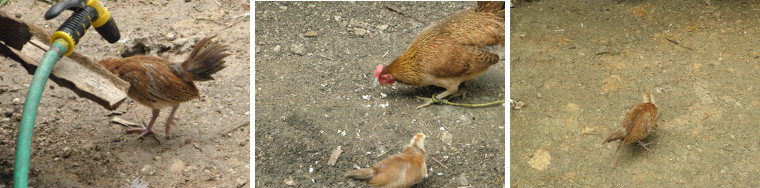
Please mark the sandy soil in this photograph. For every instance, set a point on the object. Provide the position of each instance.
(580, 65)
(74, 144)
(311, 90)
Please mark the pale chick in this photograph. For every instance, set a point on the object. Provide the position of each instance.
(397, 171)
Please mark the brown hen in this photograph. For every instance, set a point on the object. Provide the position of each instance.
(400, 170)
(449, 52)
(637, 125)
(158, 83)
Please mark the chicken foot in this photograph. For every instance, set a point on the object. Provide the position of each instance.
(617, 151)
(149, 130)
(643, 145)
(428, 101)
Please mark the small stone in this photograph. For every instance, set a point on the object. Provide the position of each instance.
(382, 27)
(170, 36)
(465, 120)
(16, 101)
(283, 8)
(462, 180)
(145, 168)
(276, 49)
(180, 42)
(18, 15)
(446, 137)
(310, 34)
(157, 157)
(177, 166)
(360, 31)
(289, 181)
(337, 18)
(343, 24)
(298, 49)
(66, 152)
(517, 105)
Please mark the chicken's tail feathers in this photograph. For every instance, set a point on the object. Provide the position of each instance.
(490, 6)
(619, 134)
(204, 61)
(363, 174)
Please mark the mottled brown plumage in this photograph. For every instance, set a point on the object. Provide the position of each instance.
(638, 123)
(397, 171)
(449, 52)
(158, 83)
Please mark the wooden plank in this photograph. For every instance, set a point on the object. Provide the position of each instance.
(77, 72)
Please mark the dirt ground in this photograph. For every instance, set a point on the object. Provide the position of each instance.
(74, 145)
(580, 65)
(315, 93)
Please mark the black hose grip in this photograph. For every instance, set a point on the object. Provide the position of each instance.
(58, 8)
(74, 28)
(76, 25)
(109, 31)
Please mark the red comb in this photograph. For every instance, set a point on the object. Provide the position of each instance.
(378, 70)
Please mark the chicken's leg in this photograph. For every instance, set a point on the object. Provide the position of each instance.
(617, 154)
(146, 131)
(429, 101)
(643, 145)
(170, 120)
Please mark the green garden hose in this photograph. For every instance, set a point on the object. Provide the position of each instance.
(86, 13)
(24, 142)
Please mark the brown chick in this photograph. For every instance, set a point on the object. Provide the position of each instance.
(449, 52)
(158, 83)
(638, 123)
(400, 170)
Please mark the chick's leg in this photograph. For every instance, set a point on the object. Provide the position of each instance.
(170, 120)
(146, 131)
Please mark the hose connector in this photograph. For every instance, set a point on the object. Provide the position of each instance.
(86, 13)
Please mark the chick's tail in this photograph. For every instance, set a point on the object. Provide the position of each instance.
(203, 61)
(363, 174)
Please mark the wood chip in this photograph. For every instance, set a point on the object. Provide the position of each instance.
(123, 122)
(310, 34)
(334, 156)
